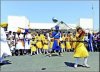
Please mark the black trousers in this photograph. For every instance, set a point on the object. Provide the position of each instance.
(19, 52)
(98, 46)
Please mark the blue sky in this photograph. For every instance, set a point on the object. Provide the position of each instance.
(43, 11)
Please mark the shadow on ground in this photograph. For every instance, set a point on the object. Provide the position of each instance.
(70, 64)
(5, 62)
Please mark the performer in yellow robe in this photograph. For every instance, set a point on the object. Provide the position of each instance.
(80, 49)
(42, 37)
(36, 37)
(33, 47)
(51, 44)
(68, 46)
(45, 46)
(62, 44)
(63, 38)
(74, 43)
(39, 44)
(71, 43)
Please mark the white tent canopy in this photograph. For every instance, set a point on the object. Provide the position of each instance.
(51, 25)
(66, 26)
(42, 25)
(21, 21)
(72, 26)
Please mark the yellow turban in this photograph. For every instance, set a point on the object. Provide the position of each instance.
(4, 24)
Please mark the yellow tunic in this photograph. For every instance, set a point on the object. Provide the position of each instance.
(62, 45)
(68, 46)
(36, 37)
(33, 48)
(80, 49)
(39, 43)
(71, 38)
(45, 46)
(74, 43)
(51, 44)
(63, 38)
(42, 37)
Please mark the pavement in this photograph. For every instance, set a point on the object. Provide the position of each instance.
(43, 63)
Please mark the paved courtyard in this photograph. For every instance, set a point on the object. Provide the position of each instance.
(55, 63)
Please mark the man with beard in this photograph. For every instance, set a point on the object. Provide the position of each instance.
(56, 47)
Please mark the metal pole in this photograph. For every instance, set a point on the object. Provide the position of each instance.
(99, 20)
(93, 16)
